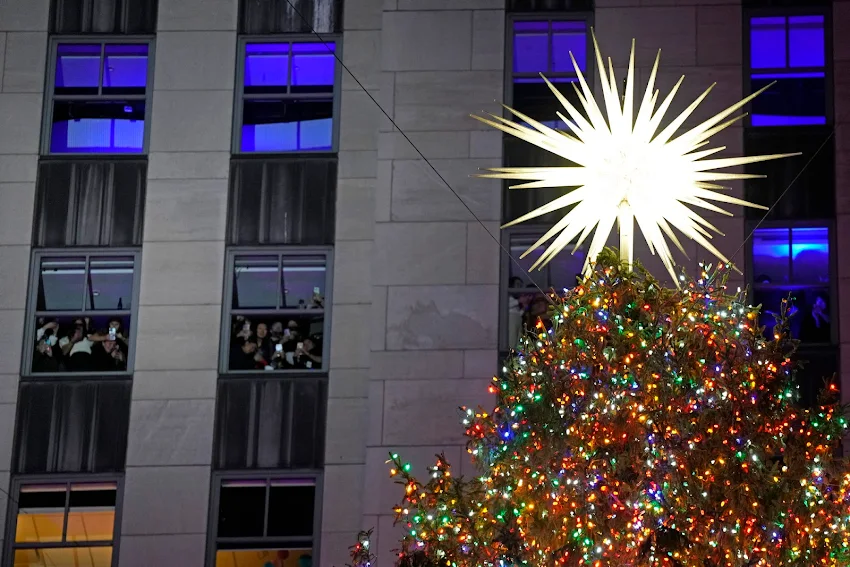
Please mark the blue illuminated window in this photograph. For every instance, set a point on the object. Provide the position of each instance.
(794, 262)
(791, 51)
(287, 97)
(99, 98)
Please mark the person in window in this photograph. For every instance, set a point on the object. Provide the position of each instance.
(241, 330)
(307, 354)
(264, 342)
(109, 356)
(242, 355)
(47, 357)
(77, 348)
(816, 327)
(317, 301)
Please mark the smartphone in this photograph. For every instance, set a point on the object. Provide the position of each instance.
(278, 347)
(246, 326)
(112, 333)
(300, 346)
(286, 332)
(316, 290)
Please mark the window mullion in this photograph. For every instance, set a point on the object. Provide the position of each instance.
(102, 64)
(266, 508)
(67, 511)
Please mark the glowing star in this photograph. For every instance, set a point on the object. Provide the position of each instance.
(625, 169)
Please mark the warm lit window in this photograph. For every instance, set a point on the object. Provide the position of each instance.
(791, 51)
(267, 521)
(278, 302)
(98, 98)
(287, 101)
(524, 304)
(65, 524)
(81, 307)
(794, 262)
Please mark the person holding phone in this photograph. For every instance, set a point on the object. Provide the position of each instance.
(306, 355)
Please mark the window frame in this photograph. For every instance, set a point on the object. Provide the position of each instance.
(828, 66)
(32, 313)
(18, 482)
(227, 307)
(218, 478)
(50, 84)
(832, 285)
(239, 94)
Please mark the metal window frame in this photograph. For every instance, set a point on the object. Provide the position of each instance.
(50, 97)
(218, 478)
(239, 95)
(68, 479)
(227, 306)
(828, 67)
(832, 285)
(32, 299)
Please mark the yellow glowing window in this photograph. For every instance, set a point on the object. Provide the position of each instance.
(64, 557)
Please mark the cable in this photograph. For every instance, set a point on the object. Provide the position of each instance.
(808, 163)
(421, 155)
(446, 183)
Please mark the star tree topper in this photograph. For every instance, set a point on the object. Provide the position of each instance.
(623, 169)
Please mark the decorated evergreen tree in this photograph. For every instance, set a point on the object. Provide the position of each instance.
(648, 426)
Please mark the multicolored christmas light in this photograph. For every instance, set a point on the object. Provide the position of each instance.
(644, 427)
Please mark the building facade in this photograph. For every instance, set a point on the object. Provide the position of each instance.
(242, 258)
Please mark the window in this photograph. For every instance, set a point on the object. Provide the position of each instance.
(90, 203)
(264, 521)
(287, 101)
(292, 16)
(103, 16)
(72, 427)
(790, 50)
(523, 302)
(98, 100)
(276, 320)
(61, 523)
(270, 423)
(801, 187)
(540, 46)
(82, 306)
(288, 201)
(549, 5)
(796, 262)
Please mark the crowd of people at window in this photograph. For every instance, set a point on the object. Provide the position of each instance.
(267, 344)
(79, 345)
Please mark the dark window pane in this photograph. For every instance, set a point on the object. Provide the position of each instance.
(291, 508)
(72, 427)
(819, 366)
(104, 16)
(41, 514)
(62, 285)
(242, 508)
(302, 16)
(767, 43)
(125, 69)
(255, 282)
(313, 67)
(289, 557)
(308, 424)
(282, 202)
(276, 342)
(805, 183)
(771, 253)
(98, 127)
(303, 281)
(569, 37)
(233, 425)
(809, 308)
(795, 100)
(266, 67)
(287, 125)
(111, 280)
(77, 68)
(806, 41)
(549, 5)
(92, 512)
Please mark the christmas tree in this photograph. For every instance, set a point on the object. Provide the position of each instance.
(645, 426)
